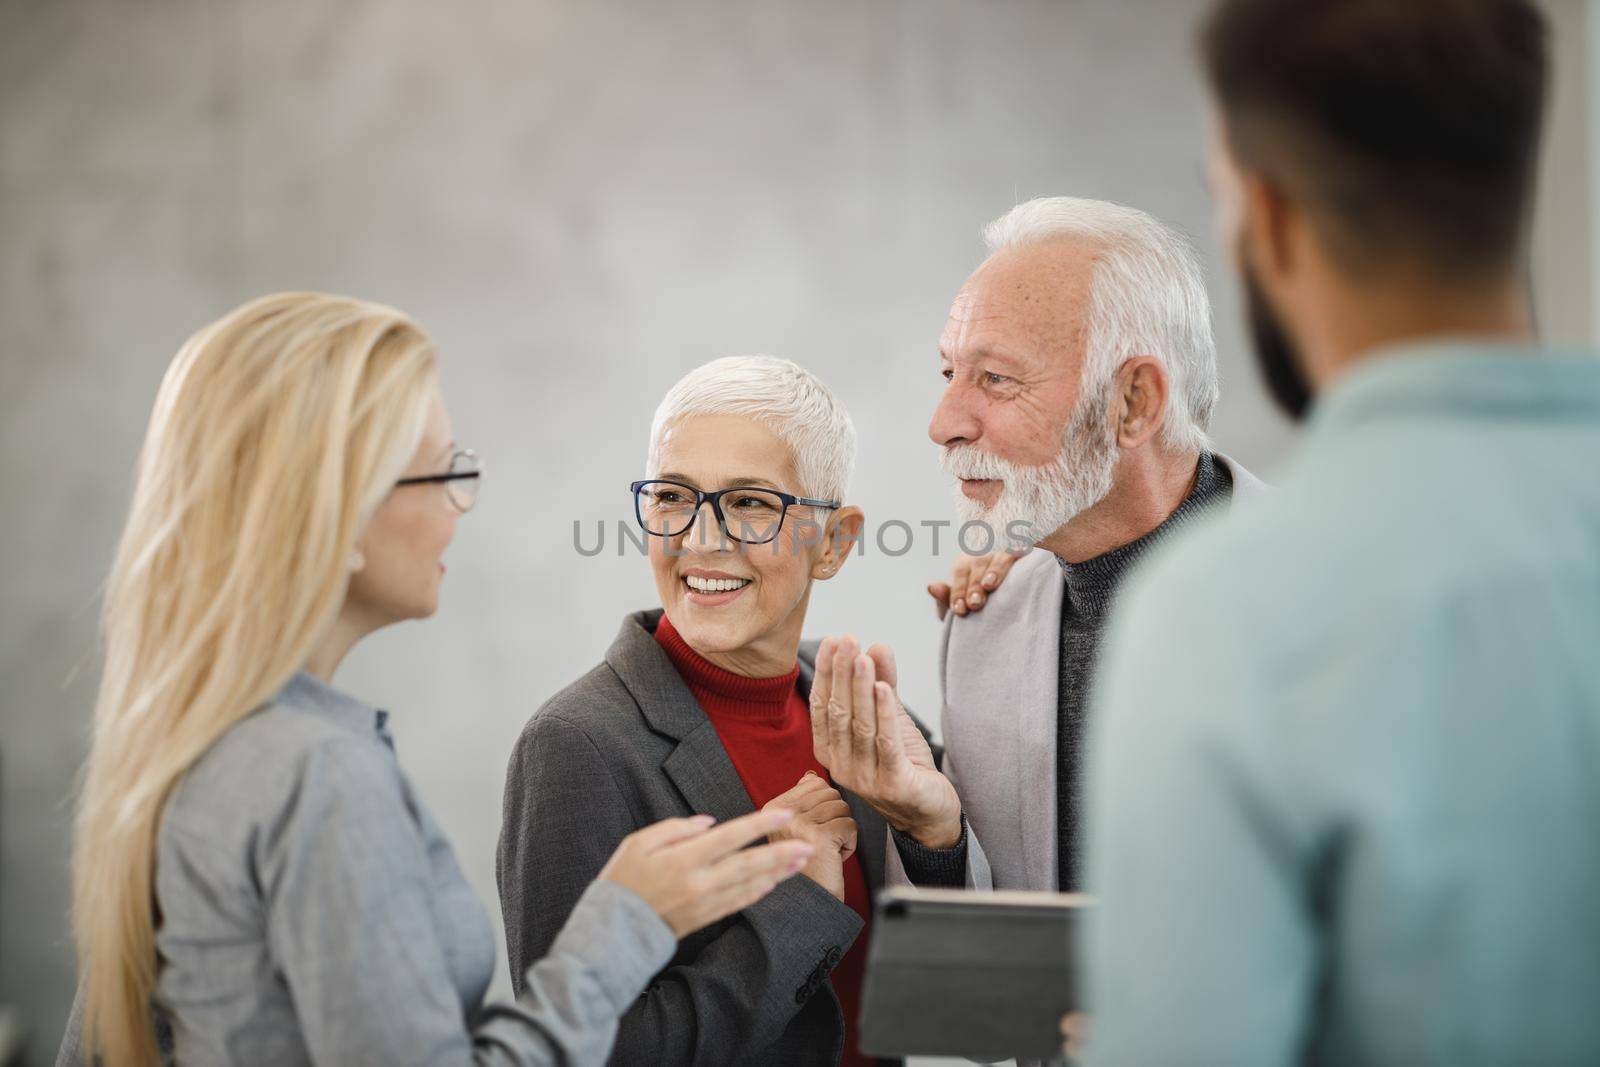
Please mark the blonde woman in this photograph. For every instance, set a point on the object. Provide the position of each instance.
(255, 880)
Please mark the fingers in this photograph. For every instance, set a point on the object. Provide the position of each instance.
(668, 832)
(843, 830)
(910, 736)
(976, 591)
(863, 717)
(987, 574)
(974, 578)
(822, 677)
(960, 578)
(805, 794)
(744, 878)
(883, 659)
(821, 687)
(981, 580)
(830, 809)
(735, 834)
(890, 747)
(941, 598)
(839, 744)
(754, 863)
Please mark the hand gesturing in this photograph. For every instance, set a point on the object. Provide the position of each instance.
(862, 734)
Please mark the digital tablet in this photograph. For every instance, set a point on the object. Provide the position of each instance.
(952, 972)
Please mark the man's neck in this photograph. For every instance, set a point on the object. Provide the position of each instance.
(1353, 323)
(1147, 487)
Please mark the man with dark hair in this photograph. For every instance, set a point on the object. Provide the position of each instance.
(1351, 818)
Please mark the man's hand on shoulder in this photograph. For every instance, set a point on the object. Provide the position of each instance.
(972, 579)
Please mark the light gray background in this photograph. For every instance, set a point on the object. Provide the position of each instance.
(581, 200)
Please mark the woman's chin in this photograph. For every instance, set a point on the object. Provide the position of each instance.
(417, 611)
(710, 629)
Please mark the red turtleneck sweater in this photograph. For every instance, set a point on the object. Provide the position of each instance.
(765, 727)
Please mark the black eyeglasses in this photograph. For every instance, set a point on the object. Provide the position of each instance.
(667, 509)
(461, 482)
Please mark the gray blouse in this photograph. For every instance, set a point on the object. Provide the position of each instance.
(311, 911)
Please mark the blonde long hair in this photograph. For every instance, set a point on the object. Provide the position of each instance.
(277, 431)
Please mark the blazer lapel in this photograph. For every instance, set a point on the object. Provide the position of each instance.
(698, 766)
(1036, 718)
(701, 770)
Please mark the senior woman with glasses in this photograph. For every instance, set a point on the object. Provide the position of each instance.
(701, 705)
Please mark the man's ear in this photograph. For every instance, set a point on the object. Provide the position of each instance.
(1141, 387)
(843, 532)
(1267, 223)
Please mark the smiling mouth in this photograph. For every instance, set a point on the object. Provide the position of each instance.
(712, 586)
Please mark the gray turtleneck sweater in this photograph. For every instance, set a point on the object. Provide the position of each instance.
(1084, 606)
(1085, 602)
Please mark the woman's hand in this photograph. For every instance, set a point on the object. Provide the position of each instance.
(692, 875)
(821, 818)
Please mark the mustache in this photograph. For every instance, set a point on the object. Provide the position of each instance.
(969, 462)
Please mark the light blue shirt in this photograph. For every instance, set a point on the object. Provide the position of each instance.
(1345, 753)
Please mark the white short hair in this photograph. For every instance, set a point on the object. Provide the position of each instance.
(784, 396)
(1147, 297)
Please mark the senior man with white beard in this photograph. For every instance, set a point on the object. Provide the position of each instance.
(1082, 376)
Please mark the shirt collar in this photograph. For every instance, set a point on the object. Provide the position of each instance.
(307, 692)
(1463, 376)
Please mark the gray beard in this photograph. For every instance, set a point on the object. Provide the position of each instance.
(1046, 497)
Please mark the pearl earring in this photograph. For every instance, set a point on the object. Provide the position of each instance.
(357, 560)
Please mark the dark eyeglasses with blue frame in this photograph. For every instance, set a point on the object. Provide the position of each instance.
(667, 509)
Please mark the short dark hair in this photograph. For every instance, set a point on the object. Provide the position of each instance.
(1407, 129)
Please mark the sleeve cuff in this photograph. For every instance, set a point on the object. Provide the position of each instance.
(805, 931)
(934, 867)
(619, 938)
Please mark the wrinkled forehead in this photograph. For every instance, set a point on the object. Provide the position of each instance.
(715, 451)
(1031, 303)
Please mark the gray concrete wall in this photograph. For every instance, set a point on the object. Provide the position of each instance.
(1589, 13)
(1566, 268)
(581, 199)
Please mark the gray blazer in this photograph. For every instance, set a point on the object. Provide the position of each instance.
(998, 673)
(625, 746)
